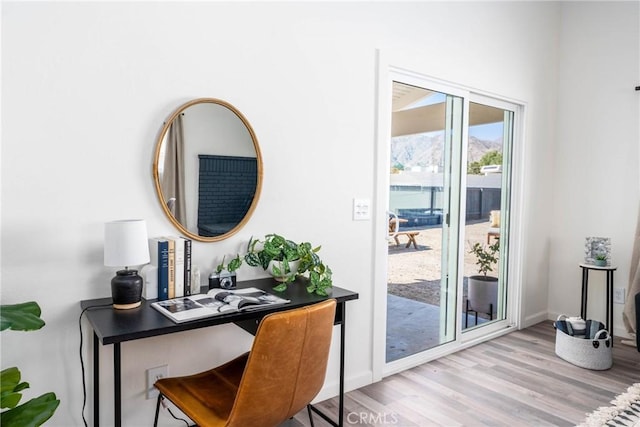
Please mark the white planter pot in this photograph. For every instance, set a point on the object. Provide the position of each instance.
(293, 269)
(482, 292)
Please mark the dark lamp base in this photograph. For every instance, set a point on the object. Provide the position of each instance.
(126, 289)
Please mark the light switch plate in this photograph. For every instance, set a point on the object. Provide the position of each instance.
(361, 209)
(618, 295)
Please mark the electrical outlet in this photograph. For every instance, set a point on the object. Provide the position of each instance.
(618, 295)
(153, 375)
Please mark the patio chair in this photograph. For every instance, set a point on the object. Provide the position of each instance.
(494, 226)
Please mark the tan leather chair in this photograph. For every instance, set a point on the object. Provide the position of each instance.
(282, 373)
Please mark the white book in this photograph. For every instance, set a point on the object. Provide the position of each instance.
(179, 265)
(216, 302)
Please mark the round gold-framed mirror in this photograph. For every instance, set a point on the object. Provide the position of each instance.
(207, 169)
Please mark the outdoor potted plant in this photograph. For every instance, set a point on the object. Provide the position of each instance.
(483, 289)
(285, 260)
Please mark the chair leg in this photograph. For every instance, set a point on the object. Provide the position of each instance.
(310, 415)
(155, 420)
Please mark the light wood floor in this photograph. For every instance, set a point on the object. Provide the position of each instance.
(514, 380)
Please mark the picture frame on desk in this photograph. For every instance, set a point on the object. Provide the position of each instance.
(595, 246)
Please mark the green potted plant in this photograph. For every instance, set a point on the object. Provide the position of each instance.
(35, 412)
(285, 260)
(600, 260)
(486, 256)
(483, 289)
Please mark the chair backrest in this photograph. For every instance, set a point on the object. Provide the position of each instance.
(494, 219)
(286, 366)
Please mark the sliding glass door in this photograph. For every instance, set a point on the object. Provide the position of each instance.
(421, 301)
(486, 217)
(448, 215)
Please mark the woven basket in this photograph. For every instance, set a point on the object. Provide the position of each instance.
(590, 353)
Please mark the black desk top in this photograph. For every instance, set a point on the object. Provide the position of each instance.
(115, 326)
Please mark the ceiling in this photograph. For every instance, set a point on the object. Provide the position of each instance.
(431, 117)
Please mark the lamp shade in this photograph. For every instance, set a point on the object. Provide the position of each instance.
(125, 243)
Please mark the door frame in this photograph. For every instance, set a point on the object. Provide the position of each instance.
(411, 66)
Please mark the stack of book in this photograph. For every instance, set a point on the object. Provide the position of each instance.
(169, 273)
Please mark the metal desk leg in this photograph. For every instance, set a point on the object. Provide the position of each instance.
(342, 314)
(342, 340)
(96, 381)
(585, 291)
(117, 386)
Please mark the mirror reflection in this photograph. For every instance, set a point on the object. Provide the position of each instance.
(207, 169)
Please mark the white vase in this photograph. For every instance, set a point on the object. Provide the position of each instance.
(293, 269)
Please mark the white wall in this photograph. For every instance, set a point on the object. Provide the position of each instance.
(596, 156)
(86, 87)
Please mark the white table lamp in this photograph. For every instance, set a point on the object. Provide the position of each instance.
(125, 245)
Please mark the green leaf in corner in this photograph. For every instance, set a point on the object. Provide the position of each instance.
(9, 378)
(32, 413)
(35, 412)
(11, 387)
(10, 400)
(21, 317)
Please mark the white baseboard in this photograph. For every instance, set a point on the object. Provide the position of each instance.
(332, 388)
(535, 318)
(620, 332)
